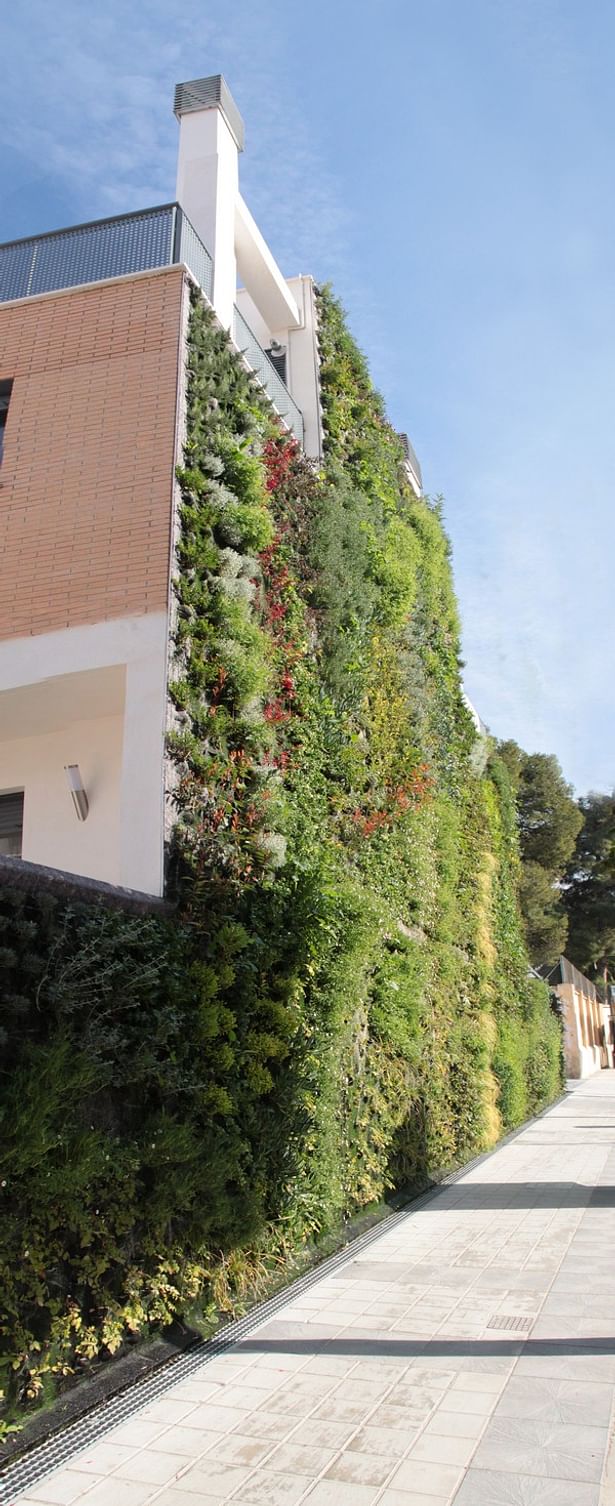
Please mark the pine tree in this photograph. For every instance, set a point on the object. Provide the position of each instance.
(589, 893)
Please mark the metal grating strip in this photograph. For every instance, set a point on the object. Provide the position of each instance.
(510, 1320)
(205, 94)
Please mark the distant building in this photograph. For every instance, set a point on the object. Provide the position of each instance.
(412, 467)
(93, 325)
(587, 1019)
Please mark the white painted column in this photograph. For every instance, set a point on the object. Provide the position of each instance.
(142, 777)
(207, 190)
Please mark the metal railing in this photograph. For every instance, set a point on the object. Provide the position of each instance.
(128, 243)
(267, 375)
(190, 249)
(103, 248)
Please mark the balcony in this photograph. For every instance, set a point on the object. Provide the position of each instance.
(104, 248)
(413, 469)
(129, 243)
(264, 370)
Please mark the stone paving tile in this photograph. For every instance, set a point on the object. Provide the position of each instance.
(318, 1434)
(240, 1448)
(360, 1469)
(268, 1425)
(112, 1492)
(489, 1488)
(439, 1449)
(338, 1493)
(300, 1459)
(389, 1443)
(137, 1433)
(428, 1478)
(266, 1489)
(401, 1418)
(61, 1488)
(455, 1425)
(464, 1400)
(542, 1448)
(335, 1410)
(214, 1418)
(215, 1480)
(102, 1457)
(410, 1498)
(190, 1442)
(560, 1365)
(151, 1468)
(167, 1410)
(581, 1402)
(172, 1496)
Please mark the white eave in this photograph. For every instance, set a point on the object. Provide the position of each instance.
(260, 274)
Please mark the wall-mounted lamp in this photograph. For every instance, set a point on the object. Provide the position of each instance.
(75, 785)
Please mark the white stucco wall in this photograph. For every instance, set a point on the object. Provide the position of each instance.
(51, 832)
(302, 368)
(95, 696)
(303, 365)
(207, 189)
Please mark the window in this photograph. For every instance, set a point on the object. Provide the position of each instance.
(277, 356)
(5, 398)
(11, 824)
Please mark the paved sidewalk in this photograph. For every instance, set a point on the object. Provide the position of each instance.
(467, 1355)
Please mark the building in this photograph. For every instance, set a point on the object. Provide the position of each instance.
(586, 1018)
(92, 357)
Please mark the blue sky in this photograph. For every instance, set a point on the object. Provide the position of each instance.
(448, 164)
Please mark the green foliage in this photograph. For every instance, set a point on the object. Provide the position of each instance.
(546, 922)
(549, 820)
(341, 1004)
(589, 893)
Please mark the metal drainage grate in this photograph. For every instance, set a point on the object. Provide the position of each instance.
(509, 1320)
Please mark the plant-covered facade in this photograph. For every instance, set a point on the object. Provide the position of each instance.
(340, 1004)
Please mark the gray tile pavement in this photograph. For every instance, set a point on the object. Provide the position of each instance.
(467, 1356)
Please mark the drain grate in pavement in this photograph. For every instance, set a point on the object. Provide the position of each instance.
(509, 1320)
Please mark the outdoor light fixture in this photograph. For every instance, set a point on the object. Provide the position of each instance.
(75, 785)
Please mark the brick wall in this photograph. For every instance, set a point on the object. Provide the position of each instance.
(87, 476)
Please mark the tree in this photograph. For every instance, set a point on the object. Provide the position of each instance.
(548, 814)
(544, 915)
(549, 821)
(589, 892)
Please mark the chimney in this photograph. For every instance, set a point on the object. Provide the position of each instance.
(211, 136)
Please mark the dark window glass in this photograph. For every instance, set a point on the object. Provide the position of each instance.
(11, 824)
(5, 398)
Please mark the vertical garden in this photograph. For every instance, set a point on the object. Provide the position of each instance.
(340, 1004)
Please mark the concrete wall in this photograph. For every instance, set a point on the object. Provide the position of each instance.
(86, 482)
(584, 1052)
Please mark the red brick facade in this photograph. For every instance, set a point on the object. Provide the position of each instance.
(87, 477)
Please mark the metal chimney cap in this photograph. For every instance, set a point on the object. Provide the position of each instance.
(209, 94)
